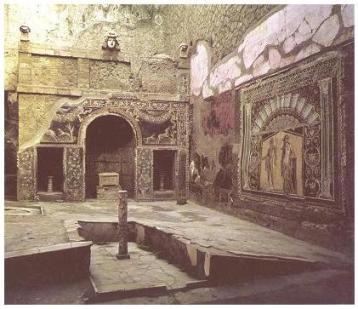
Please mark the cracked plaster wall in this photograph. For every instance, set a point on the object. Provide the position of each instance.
(284, 38)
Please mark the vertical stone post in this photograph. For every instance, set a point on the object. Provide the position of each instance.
(246, 144)
(327, 131)
(122, 226)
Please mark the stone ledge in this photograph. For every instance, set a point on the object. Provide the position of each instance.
(74, 92)
(48, 249)
(114, 93)
(46, 50)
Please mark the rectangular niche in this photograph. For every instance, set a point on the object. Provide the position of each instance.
(50, 163)
(163, 170)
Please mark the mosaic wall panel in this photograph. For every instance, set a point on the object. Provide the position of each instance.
(288, 136)
(26, 175)
(155, 124)
(159, 123)
(159, 127)
(182, 173)
(144, 173)
(74, 180)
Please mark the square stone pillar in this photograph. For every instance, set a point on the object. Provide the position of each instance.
(122, 226)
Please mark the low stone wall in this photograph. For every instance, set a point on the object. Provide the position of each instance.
(204, 263)
(58, 263)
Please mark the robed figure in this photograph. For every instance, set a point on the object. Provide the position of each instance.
(288, 167)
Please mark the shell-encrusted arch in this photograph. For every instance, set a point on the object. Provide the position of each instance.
(289, 104)
(105, 112)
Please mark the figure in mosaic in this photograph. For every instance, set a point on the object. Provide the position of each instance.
(270, 162)
(288, 166)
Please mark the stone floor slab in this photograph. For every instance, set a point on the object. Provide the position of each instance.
(110, 275)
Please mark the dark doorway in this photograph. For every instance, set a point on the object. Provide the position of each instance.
(163, 170)
(110, 144)
(49, 163)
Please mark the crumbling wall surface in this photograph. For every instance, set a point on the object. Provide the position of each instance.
(318, 206)
(84, 27)
(222, 25)
(158, 74)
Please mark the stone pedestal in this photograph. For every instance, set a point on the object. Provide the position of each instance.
(161, 181)
(109, 193)
(108, 186)
(50, 184)
(122, 226)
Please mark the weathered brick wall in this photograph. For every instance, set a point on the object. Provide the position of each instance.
(52, 71)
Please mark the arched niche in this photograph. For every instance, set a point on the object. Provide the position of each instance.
(109, 141)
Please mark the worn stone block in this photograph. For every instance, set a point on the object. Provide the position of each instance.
(107, 193)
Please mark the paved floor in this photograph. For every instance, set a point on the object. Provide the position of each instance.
(142, 271)
(26, 232)
(201, 225)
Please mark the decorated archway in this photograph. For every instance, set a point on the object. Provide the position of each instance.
(87, 120)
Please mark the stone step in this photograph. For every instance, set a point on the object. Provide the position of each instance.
(50, 196)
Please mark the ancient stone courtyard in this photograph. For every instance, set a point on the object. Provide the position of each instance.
(152, 275)
(179, 154)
